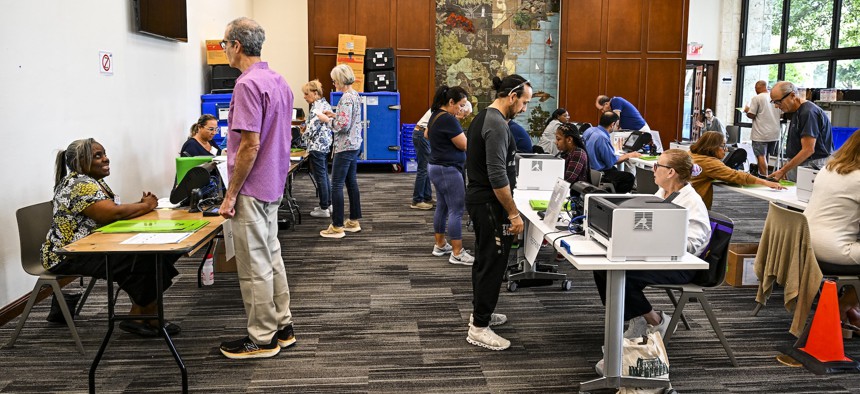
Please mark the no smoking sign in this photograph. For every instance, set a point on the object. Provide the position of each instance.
(106, 63)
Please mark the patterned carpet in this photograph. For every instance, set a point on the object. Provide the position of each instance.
(376, 312)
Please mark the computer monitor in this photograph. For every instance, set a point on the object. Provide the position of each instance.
(198, 183)
(636, 141)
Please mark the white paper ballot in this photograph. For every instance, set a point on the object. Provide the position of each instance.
(155, 238)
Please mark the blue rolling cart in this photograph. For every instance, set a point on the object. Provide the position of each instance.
(219, 106)
(380, 120)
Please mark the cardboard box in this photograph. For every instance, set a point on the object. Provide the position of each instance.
(741, 265)
(356, 63)
(214, 53)
(221, 262)
(348, 43)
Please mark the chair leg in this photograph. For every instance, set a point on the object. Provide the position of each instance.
(26, 314)
(703, 300)
(61, 301)
(757, 308)
(679, 311)
(86, 295)
(671, 295)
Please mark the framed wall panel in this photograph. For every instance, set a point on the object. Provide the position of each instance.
(581, 83)
(583, 34)
(665, 35)
(624, 26)
(623, 77)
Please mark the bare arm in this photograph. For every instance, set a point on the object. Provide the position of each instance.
(503, 194)
(459, 141)
(106, 211)
(246, 156)
(807, 148)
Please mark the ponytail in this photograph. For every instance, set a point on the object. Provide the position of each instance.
(444, 95)
(201, 121)
(59, 167)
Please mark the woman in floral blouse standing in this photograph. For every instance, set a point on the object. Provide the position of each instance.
(346, 124)
(317, 137)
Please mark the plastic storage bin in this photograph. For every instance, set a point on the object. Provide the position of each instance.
(841, 134)
(219, 106)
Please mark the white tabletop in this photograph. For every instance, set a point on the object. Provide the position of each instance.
(786, 197)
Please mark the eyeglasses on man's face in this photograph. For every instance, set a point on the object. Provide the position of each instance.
(224, 43)
(517, 87)
(779, 102)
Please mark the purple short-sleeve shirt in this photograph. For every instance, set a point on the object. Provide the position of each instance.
(262, 103)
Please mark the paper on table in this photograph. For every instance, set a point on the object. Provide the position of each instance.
(164, 202)
(155, 238)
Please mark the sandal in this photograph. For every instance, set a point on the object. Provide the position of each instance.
(171, 328)
(138, 328)
(849, 330)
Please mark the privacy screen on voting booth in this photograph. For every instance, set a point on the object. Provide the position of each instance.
(534, 236)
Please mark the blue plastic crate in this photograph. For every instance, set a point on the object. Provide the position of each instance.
(841, 134)
(410, 165)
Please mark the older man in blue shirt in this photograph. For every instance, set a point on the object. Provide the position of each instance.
(601, 154)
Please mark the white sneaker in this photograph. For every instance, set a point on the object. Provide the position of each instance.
(485, 337)
(663, 326)
(439, 252)
(320, 213)
(496, 319)
(599, 367)
(464, 258)
(636, 328)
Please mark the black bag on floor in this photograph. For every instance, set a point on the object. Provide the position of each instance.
(56, 314)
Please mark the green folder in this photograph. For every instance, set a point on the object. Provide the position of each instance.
(542, 205)
(649, 158)
(153, 226)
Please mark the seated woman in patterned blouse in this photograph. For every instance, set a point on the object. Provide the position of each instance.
(83, 202)
(572, 150)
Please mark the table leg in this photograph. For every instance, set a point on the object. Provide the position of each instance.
(159, 286)
(111, 316)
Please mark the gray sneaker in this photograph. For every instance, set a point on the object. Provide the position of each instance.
(496, 319)
(320, 213)
(485, 337)
(464, 258)
(439, 252)
(663, 326)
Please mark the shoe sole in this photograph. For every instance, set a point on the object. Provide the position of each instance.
(352, 230)
(440, 254)
(423, 209)
(459, 263)
(262, 353)
(287, 343)
(320, 215)
(335, 235)
(484, 345)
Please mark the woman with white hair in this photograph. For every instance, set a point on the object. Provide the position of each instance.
(346, 125)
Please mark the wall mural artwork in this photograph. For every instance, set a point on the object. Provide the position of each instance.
(479, 39)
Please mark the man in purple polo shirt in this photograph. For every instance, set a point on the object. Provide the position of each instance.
(258, 159)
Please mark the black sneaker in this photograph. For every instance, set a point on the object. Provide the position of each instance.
(246, 348)
(286, 337)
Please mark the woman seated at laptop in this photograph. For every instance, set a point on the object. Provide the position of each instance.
(672, 173)
(200, 142)
(833, 214)
(84, 202)
(572, 149)
(708, 152)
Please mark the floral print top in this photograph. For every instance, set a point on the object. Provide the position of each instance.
(347, 123)
(318, 136)
(74, 194)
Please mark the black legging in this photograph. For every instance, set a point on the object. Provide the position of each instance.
(135, 274)
(635, 303)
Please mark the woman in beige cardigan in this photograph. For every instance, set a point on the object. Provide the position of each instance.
(708, 153)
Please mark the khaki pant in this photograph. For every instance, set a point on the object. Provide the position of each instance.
(260, 267)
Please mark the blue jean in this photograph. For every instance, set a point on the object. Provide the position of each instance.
(422, 190)
(319, 170)
(343, 170)
(451, 197)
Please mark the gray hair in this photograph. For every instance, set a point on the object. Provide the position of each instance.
(77, 157)
(343, 75)
(249, 33)
(786, 87)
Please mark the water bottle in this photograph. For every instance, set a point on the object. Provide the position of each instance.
(207, 275)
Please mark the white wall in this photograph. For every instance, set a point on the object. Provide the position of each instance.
(52, 94)
(730, 22)
(286, 46)
(704, 27)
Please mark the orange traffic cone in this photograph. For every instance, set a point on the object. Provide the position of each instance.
(820, 348)
(825, 335)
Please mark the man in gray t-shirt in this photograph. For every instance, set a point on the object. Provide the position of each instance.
(765, 125)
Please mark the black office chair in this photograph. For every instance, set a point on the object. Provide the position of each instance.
(716, 254)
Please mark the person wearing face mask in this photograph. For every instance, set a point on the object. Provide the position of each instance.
(712, 123)
(601, 154)
(547, 139)
(491, 171)
(82, 203)
(200, 143)
(447, 157)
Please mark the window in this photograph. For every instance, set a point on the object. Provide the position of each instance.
(807, 75)
(849, 28)
(810, 24)
(848, 74)
(753, 74)
(764, 28)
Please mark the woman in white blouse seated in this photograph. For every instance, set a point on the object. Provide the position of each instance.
(672, 174)
(833, 214)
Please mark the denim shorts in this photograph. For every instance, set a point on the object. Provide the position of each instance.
(765, 148)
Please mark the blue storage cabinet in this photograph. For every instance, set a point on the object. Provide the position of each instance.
(219, 106)
(380, 115)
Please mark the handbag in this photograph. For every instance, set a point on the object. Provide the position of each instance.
(643, 357)
(56, 314)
